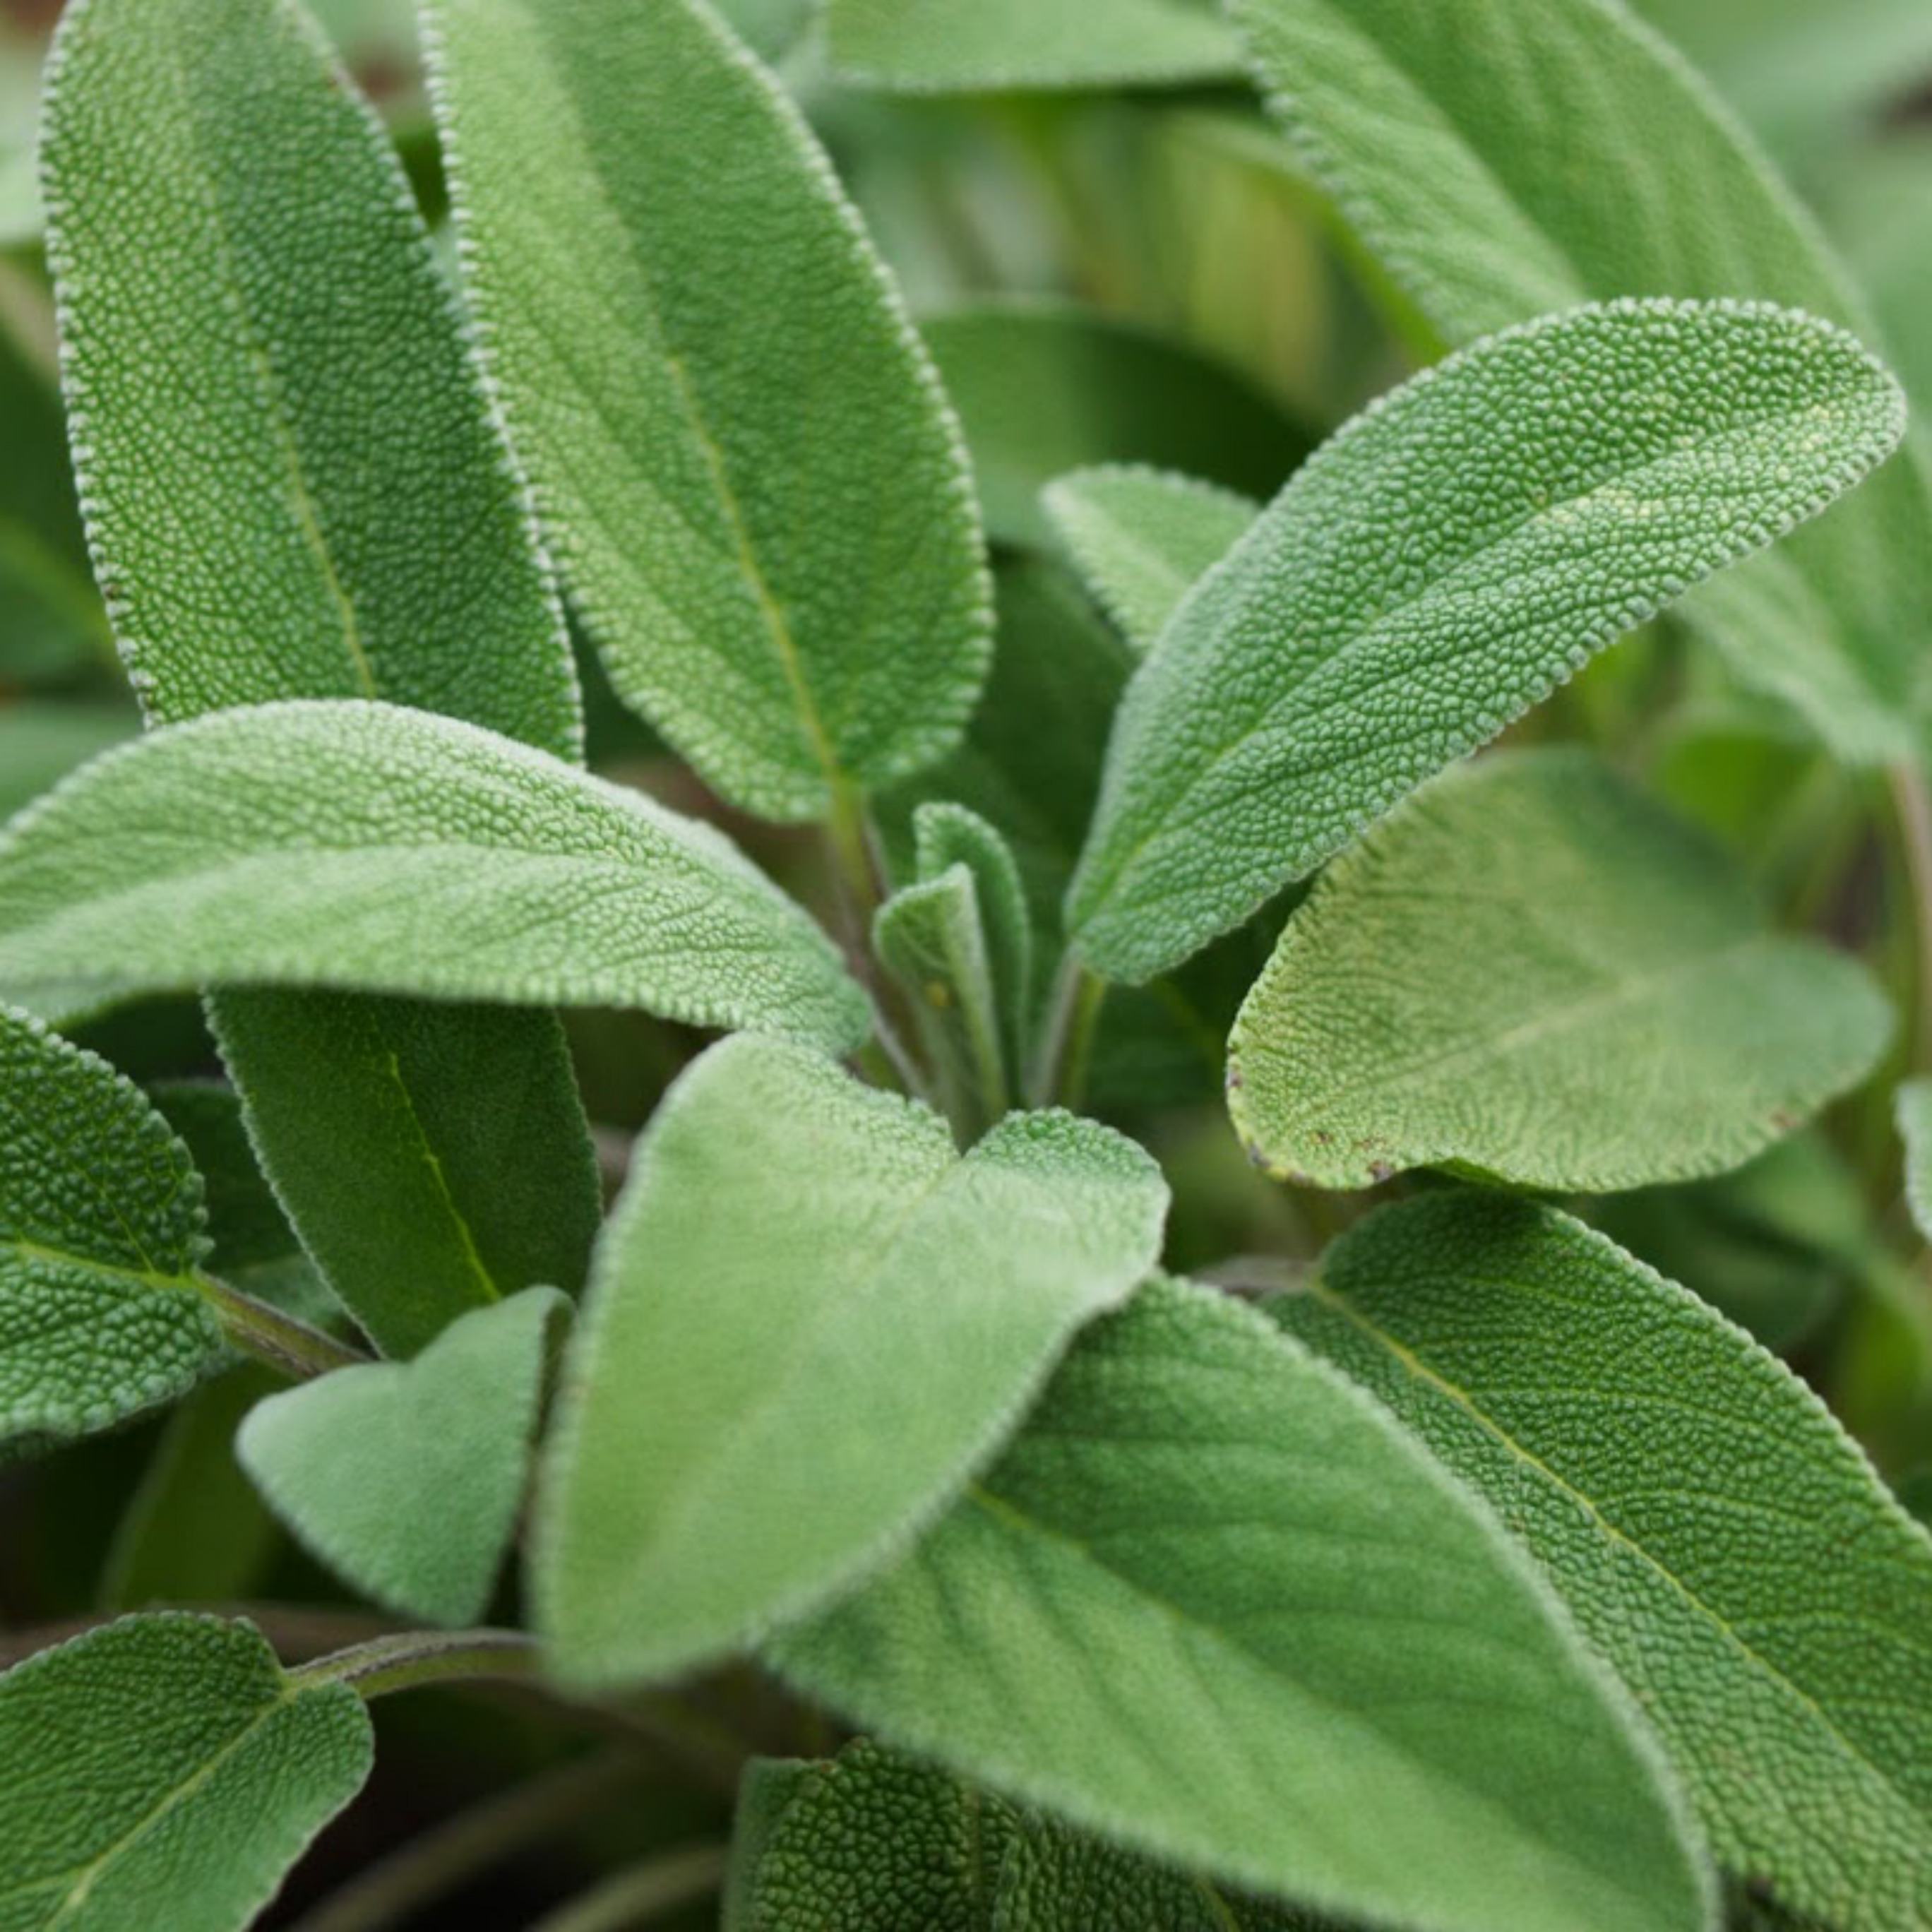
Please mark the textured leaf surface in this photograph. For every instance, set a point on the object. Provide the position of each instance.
(163, 1771)
(867, 1842)
(1213, 1601)
(293, 486)
(433, 1158)
(1510, 157)
(1439, 567)
(405, 1478)
(734, 1441)
(1141, 538)
(101, 1232)
(944, 836)
(939, 47)
(365, 846)
(1043, 388)
(1533, 971)
(754, 489)
(1716, 1534)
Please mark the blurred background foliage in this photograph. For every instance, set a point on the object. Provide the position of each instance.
(1055, 245)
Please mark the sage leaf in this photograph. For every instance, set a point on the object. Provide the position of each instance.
(435, 1159)
(1438, 568)
(867, 1842)
(1715, 1533)
(362, 535)
(101, 1237)
(1213, 1603)
(163, 1770)
(1914, 1126)
(945, 835)
(1043, 388)
(1141, 538)
(341, 520)
(755, 491)
(941, 46)
(1533, 971)
(715, 1462)
(405, 1478)
(1493, 162)
(369, 847)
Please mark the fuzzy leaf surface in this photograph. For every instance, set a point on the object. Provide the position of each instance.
(101, 1233)
(163, 1770)
(1043, 388)
(1533, 971)
(1716, 1534)
(945, 835)
(743, 459)
(366, 846)
(405, 1478)
(716, 1462)
(294, 486)
(1511, 156)
(1214, 1602)
(1441, 565)
(1141, 538)
(971, 46)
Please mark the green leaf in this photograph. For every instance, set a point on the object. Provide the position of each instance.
(101, 1237)
(1716, 1534)
(755, 491)
(434, 1159)
(929, 936)
(368, 847)
(1533, 971)
(1141, 538)
(943, 46)
(1442, 563)
(716, 1461)
(867, 1842)
(163, 1770)
(945, 835)
(1530, 154)
(1914, 1108)
(194, 1531)
(1043, 388)
(245, 1222)
(361, 534)
(405, 1478)
(1213, 1603)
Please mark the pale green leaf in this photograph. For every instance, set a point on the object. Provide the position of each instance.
(1533, 971)
(101, 1236)
(194, 1531)
(867, 1842)
(163, 1770)
(1509, 156)
(930, 938)
(1043, 388)
(433, 1158)
(1213, 1602)
(365, 846)
(1914, 1127)
(954, 46)
(1443, 562)
(1716, 1534)
(735, 1442)
(1141, 538)
(753, 488)
(294, 486)
(405, 1478)
(945, 835)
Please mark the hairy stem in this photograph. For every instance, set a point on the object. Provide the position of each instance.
(412, 1658)
(1060, 1074)
(290, 1347)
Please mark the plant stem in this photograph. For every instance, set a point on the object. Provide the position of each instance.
(1913, 806)
(453, 1852)
(291, 1347)
(632, 1896)
(414, 1657)
(1060, 1074)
